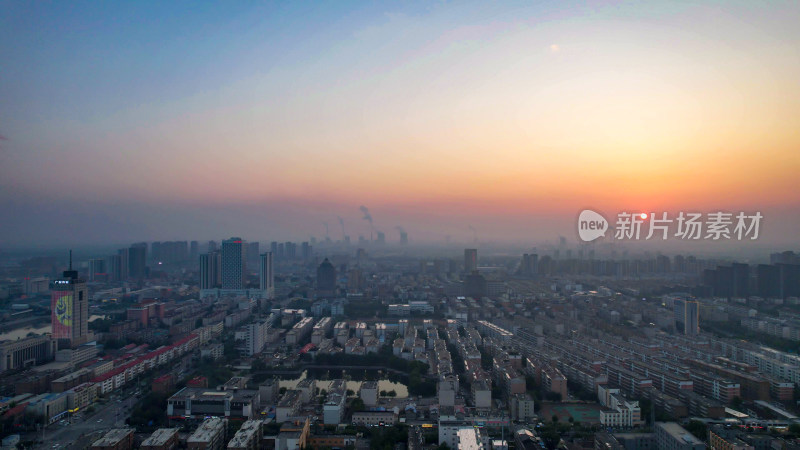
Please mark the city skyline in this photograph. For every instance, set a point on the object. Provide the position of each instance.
(507, 119)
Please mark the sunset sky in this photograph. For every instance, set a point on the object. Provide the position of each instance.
(130, 121)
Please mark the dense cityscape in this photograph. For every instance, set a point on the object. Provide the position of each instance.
(413, 225)
(322, 344)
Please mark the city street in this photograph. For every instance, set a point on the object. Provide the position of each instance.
(82, 432)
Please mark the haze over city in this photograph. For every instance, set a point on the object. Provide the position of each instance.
(147, 121)
(347, 225)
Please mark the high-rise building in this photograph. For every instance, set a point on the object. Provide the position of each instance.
(69, 308)
(194, 250)
(741, 280)
(266, 277)
(305, 251)
(234, 263)
(114, 264)
(169, 251)
(326, 278)
(687, 316)
(137, 261)
(209, 270)
(97, 269)
(290, 249)
(403, 238)
(470, 260)
(530, 265)
(124, 263)
(356, 280)
(475, 285)
(253, 254)
(769, 281)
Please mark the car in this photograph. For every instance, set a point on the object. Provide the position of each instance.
(99, 420)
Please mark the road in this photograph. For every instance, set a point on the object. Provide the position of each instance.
(82, 432)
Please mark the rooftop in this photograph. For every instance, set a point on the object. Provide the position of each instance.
(245, 433)
(112, 437)
(679, 433)
(160, 436)
(207, 430)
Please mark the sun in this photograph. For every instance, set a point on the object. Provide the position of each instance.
(643, 216)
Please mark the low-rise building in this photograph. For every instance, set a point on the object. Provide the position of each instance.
(161, 439)
(248, 437)
(213, 351)
(374, 418)
(288, 406)
(369, 393)
(482, 393)
(469, 439)
(115, 439)
(671, 436)
(522, 407)
(199, 402)
(333, 408)
(210, 435)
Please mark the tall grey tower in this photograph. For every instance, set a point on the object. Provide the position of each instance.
(687, 317)
(265, 275)
(209, 270)
(234, 263)
(470, 260)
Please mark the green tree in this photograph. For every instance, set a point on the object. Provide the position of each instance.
(698, 429)
(554, 419)
(258, 365)
(357, 404)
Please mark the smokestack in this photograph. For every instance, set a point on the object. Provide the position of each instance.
(341, 222)
(368, 218)
(403, 235)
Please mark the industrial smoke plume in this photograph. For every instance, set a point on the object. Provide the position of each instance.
(368, 218)
(341, 222)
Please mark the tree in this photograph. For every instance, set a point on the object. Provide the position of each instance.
(350, 393)
(382, 393)
(554, 418)
(357, 404)
(736, 402)
(698, 429)
(258, 365)
(392, 393)
(794, 429)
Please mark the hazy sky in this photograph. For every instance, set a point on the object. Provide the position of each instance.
(133, 121)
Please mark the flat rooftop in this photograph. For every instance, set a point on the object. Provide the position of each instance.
(679, 433)
(160, 437)
(207, 430)
(112, 437)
